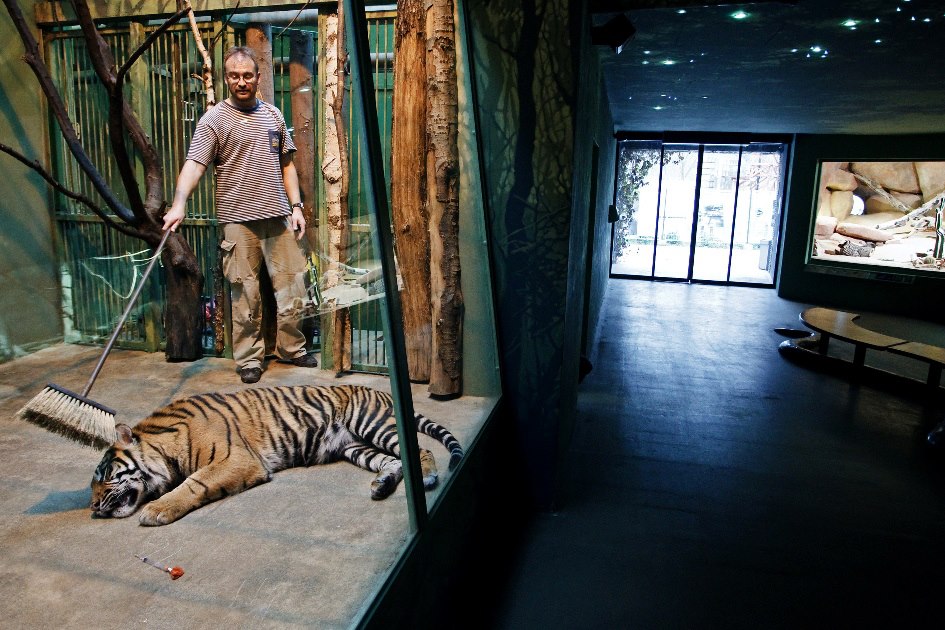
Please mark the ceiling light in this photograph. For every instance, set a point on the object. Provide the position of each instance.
(681, 11)
(739, 15)
(669, 62)
(878, 41)
(658, 107)
(816, 48)
(850, 23)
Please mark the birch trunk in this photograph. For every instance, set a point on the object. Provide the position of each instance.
(335, 173)
(443, 201)
(408, 191)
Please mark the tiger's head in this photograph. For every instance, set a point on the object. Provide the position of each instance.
(119, 485)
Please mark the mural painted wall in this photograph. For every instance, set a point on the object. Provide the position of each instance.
(26, 246)
(524, 81)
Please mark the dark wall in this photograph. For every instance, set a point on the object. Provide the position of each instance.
(525, 89)
(589, 249)
(900, 292)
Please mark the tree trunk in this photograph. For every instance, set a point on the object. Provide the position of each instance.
(301, 55)
(335, 172)
(443, 202)
(408, 190)
(183, 319)
(259, 39)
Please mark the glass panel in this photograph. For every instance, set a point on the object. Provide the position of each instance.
(638, 185)
(100, 266)
(674, 218)
(755, 240)
(716, 211)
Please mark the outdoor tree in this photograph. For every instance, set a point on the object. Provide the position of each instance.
(142, 216)
(634, 165)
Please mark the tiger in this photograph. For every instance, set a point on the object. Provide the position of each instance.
(203, 448)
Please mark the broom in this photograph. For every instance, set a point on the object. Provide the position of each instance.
(73, 415)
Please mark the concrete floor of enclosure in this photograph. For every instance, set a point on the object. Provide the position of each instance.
(308, 549)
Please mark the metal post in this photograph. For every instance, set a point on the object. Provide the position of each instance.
(362, 84)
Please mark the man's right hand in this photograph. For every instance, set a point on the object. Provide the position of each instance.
(173, 218)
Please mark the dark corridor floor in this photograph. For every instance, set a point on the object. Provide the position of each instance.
(712, 483)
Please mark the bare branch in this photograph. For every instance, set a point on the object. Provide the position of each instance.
(207, 70)
(140, 50)
(918, 212)
(882, 192)
(223, 26)
(58, 107)
(36, 166)
(104, 64)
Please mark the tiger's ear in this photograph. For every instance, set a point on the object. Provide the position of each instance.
(125, 438)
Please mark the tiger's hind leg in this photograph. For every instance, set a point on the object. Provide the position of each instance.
(388, 468)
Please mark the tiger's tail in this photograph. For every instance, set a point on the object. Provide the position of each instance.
(443, 436)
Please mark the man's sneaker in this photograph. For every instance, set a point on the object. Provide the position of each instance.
(250, 374)
(306, 361)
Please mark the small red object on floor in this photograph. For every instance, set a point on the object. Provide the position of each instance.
(174, 572)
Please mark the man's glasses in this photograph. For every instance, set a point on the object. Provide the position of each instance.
(247, 77)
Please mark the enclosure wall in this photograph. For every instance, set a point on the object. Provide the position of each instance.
(27, 273)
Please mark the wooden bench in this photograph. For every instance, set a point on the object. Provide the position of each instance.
(933, 355)
(842, 325)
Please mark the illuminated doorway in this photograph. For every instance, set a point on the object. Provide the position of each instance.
(698, 212)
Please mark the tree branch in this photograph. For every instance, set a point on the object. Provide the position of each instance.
(33, 59)
(88, 203)
(207, 71)
(140, 50)
(104, 64)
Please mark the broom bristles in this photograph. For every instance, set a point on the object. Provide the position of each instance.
(73, 416)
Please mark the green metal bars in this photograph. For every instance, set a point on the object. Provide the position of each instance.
(98, 264)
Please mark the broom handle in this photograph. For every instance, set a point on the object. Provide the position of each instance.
(124, 316)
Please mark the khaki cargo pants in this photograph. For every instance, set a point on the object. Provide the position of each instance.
(245, 247)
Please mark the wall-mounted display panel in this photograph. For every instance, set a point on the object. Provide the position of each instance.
(885, 214)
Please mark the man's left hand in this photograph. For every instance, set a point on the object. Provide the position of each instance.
(297, 222)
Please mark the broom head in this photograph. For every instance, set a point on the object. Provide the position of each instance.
(64, 412)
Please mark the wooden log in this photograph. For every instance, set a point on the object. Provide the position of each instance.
(259, 39)
(408, 190)
(335, 171)
(443, 200)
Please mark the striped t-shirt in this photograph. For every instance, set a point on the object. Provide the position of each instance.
(244, 146)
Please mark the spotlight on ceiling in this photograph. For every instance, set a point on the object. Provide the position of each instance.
(614, 33)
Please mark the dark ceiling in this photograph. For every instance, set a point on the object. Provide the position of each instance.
(811, 66)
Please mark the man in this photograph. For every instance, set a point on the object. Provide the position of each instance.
(259, 206)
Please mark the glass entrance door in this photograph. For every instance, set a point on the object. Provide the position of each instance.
(675, 211)
(698, 212)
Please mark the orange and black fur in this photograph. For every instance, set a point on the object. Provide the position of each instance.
(206, 447)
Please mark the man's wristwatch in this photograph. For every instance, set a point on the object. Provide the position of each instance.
(299, 205)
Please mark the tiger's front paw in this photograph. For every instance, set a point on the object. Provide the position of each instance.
(155, 513)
